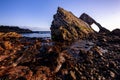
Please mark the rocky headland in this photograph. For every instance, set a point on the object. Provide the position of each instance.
(74, 52)
(6, 29)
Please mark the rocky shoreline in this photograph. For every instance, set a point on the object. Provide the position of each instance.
(38, 59)
(93, 57)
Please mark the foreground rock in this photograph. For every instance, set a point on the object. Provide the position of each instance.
(68, 27)
(38, 59)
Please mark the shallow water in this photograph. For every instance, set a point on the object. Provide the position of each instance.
(40, 34)
(83, 44)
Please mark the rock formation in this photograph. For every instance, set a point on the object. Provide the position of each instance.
(116, 32)
(68, 27)
(85, 17)
(24, 58)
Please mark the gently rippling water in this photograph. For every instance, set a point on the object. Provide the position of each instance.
(39, 34)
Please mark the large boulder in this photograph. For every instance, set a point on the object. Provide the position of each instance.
(67, 27)
(89, 20)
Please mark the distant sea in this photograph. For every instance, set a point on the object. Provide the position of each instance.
(38, 34)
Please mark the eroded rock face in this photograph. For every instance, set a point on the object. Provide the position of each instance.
(85, 17)
(68, 27)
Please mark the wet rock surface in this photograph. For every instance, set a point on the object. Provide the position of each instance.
(38, 59)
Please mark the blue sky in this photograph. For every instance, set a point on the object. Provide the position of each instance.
(38, 14)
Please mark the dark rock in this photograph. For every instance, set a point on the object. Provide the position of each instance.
(114, 40)
(85, 17)
(14, 29)
(67, 27)
(112, 64)
(115, 32)
(19, 71)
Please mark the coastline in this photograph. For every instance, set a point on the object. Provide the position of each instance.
(74, 52)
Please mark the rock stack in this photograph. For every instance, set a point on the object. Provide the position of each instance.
(67, 27)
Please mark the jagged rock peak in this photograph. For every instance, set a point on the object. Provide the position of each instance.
(67, 27)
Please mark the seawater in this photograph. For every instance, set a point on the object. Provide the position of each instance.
(40, 34)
